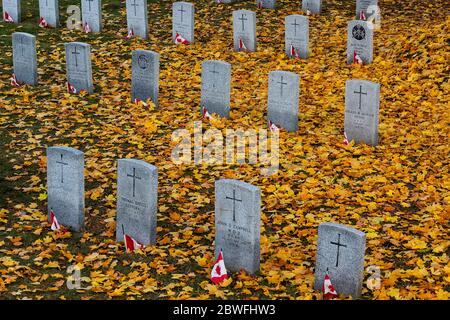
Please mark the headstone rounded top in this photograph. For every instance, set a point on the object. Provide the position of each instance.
(237, 183)
(296, 16)
(350, 230)
(23, 34)
(365, 82)
(75, 43)
(183, 3)
(140, 163)
(244, 11)
(287, 73)
(65, 149)
(224, 63)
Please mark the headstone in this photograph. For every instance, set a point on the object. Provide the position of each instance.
(362, 105)
(244, 30)
(216, 79)
(284, 91)
(137, 18)
(359, 40)
(78, 65)
(49, 10)
(91, 13)
(12, 8)
(313, 6)
(296, 36)
(145, 75)
(363, 5)
(183, 20)
(24, 58)
(137, 198)
(266, 4)
(340, 250)
(65, 183)
(238, 222)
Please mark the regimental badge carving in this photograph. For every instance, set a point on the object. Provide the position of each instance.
(358, 32)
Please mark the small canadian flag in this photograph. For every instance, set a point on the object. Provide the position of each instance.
(357, 59)
(260, 4)
(308, 13)
(242, 45)
(14, 81)
(7, 17)
(362, 15)
(87, 28)
(272, 126)
(130, 243)
(43, 23)
(54, 224)
(130, 34)
(180, 40)
(346, 142)
(328, 289)
(137, 101)
(206, 114)
(219, 272)
(294, 52)
(71, 88)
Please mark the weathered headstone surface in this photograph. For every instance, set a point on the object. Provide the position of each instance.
(296, 36)
(266, 4)
(183, 20)
(91, 13)
(12, 7)
(244, 30)
(78, 66)
(363, 5)
(216, 79)
(284, 91)
(145, 75)
(238, 223)
(49, 10)
(362, 105)
(65, 183)
(24, 57)
(137, 199)
(137, 17)
(359, 40)
(340, 250)
(314, 6)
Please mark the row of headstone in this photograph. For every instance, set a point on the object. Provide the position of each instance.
(360, 35)
(340, 249)
(361, 112)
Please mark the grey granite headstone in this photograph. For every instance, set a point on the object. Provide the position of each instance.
(65, 183)
(12, 7)
(216, 78)
(284, 91)
(244, 28)
(91, 13)
(359, 40)
(145, 75)
(238, 223)
(314, 6)
(266, 4)
(363, 5)
(137, 17)
(137, 199)
(297, 35)
(362, 105)
(183, 20)
(49, 10)
(78, 66)
(24, 57)
(340, 250)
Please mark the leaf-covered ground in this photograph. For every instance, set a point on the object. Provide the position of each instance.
(397, 192)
